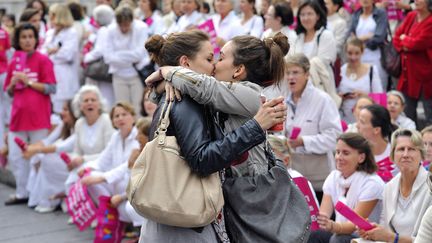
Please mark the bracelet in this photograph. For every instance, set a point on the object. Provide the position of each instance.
(396, 240)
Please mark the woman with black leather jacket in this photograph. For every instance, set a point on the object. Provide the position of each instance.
(195, 129)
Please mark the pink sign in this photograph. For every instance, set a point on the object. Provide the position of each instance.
(379, 98)
(20, 59)
(385, 168)
(353, 216)
(303, 185)
(109, 228)
(80, 206)
(295, 132)
(65, 157)
(209, 28)
(21, 144)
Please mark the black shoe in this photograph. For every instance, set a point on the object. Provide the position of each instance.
(15, 201)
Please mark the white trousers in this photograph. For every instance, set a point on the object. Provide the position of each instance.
(5, 110)
(128, 89)
(21, 167)
(48, 181)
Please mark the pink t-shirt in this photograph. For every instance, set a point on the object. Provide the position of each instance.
(31, 109)
(4, 46)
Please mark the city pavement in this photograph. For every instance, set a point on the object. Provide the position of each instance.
(20, 224)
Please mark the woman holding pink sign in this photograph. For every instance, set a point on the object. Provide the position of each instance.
(356, 182)
(407, 196)
(30, 80)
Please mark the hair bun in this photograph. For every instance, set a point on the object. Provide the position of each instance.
(154, 47)
(282, 41)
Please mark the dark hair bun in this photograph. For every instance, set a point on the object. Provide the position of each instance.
(154, 47)
(282, 41)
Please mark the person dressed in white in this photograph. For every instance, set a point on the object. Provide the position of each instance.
(424, 234)
(173, 16)
(109, 171)
(336, 23)
(396, 106)
(250, 23)
(62, 46)
(93, 130)
(191, 16)
(125, 54)
(358, 79)
(320, 124)
(224, 20)
(407, 196)
(52, 170)
(103, 15)
(150, 16)
(278, 18)
(355, 183)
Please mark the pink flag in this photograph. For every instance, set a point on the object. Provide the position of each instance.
(353, 216)
(209, 28)
(303, 185)
(379, 98)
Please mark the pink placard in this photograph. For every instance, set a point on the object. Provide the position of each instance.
(80, 206)
(209, 28)
(65, 157)
(109, 228)
(353, 216)
(21, 144)
(303, 185)
(379, 98)
(295, 132)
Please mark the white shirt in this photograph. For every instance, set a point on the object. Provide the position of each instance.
(363, 83)
(338, 26)
(254, 26)
(126, 49)
(362, 187)
(185, 21)
(115, 154)
(225, 28)
(364, 27)
(404, 122)
(65, 60)
(384, 154)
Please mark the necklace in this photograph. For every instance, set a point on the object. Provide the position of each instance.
(352, 73)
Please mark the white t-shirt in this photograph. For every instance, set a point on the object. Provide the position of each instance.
(384, 155)
(363, 187)
(363, 83)
(404, 216)
(308, 48)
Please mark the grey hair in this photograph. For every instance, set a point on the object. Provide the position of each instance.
(298, 59)
(103, 14)
(78, 99)
(397, 93)
(415, 138)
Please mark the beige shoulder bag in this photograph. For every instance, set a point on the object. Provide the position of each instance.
(163, 188)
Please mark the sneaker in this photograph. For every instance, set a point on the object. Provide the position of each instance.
(41, 209)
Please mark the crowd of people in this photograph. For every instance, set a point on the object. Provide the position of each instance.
(88, 84)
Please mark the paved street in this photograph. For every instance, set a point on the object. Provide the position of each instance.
(19, 224)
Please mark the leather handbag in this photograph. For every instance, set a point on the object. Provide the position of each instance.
(265, 208)
(164, 189)
(98, 70)
(390, 57)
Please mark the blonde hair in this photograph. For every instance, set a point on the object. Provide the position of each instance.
(62, 15)
(425, 130)
(415, 138)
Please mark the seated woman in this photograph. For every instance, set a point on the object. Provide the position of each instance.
(93, 130)
(52, 171)
(358, 79)
(406, 196)
(109, 170)
(375, 125)
(361, 103)
(396, 106)
(425, 230)
(427, 141)
(354, 180)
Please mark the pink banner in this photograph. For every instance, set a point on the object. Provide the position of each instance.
(303, 185)
(379, 98)
(80, 206)
(109, 228)
(209, 28)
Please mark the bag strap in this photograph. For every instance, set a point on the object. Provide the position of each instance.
(370, 78)
(163, 123)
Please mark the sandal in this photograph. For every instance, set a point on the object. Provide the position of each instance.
(15, 201)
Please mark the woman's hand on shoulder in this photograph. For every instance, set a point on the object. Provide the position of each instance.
(171, 92)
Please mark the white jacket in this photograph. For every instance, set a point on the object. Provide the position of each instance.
(225, 28)
(318, 117)
(338, 26)
(65, 60)
(125, 50)
(421, 199)
(323, 80)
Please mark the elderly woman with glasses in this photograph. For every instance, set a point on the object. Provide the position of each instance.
(406, 196)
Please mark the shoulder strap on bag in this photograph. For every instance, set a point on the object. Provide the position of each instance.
(163, 123)
(370, 78)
